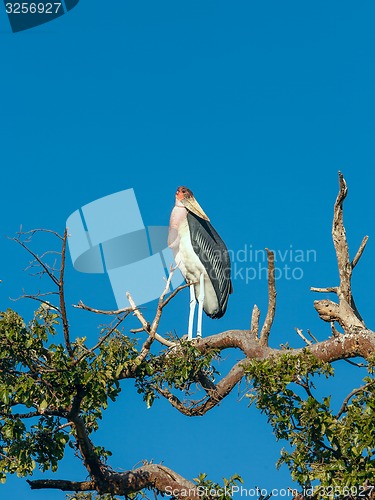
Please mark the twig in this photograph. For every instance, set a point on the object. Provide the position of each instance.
(33, 231)
(145, 324)
(303, 383)
(312, 336)
(223, 388)
(36, 297)
(161, 304)
(133, 307)
(360, 251)
(38, 259)
(115, 312)
(174, 293)
(350, 395)
(63, 426)
(151, 330)
(103, 339)
(254, 326)
(265, 332)
(49, 252)
(299, 332)
(358, 365)
(330, 289)
(174, 401)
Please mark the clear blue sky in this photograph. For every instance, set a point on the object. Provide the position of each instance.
(253, 105)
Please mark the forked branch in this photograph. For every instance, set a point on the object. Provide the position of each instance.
(345, 312)
(56, 276)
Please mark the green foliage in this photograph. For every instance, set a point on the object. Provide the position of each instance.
(209, 489)
(90, 496)
(178, 369)
(38, 386)
(325, 449)
(42, 386)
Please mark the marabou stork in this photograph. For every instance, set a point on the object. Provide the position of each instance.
(202, 258)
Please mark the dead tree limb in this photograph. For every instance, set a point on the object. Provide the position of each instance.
(254, 326)
(266, 329)
(153, 476)
(345, 312)
(64, 317)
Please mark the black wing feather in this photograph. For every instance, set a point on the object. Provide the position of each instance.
(213, 254)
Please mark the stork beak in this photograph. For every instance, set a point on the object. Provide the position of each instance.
(193, 206)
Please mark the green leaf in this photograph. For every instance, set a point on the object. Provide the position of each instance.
(43, 405)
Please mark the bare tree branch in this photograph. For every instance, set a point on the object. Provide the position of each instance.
(161, 304)
(340, 242)
(360, 251)
(114, 312)
(152, 335)
(222, 389)
(31, 232)
(40, 262)
(37, 298)
(254, 326)
(345, 313)
(299, 332)
(145, 324)
(64, 317)
(330, 289)
(174, 293)
(152, 476)
(312, 336)
(266, 329)
(336, 348)
(61, 484)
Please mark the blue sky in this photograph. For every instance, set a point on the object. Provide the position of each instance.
(253, 105)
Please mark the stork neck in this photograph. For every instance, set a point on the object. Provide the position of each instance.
(178, 215)
(179, 203)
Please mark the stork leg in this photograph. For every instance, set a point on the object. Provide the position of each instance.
(200, 306)
(193, 301)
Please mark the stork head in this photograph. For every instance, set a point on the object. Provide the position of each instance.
(186, 198)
